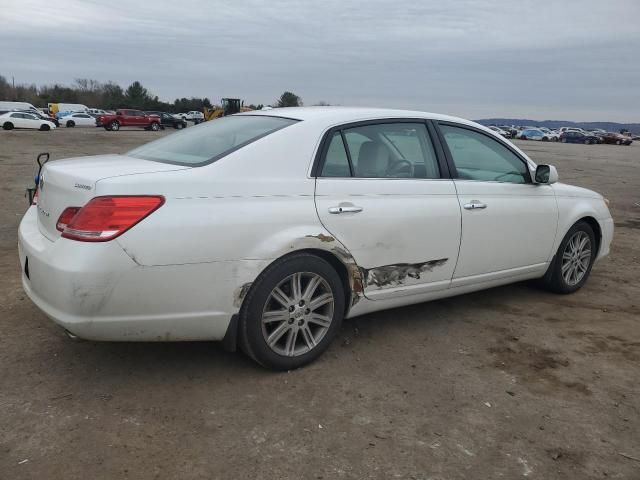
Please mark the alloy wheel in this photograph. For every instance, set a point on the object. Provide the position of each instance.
(576, 258)
(297, 314)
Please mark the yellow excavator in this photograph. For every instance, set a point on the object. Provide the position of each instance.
(228, 106)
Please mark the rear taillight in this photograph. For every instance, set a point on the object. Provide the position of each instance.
(105, 218)
(65, 217)
(34, 200)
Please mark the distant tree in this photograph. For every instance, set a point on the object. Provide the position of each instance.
(321, 103)
(256, 107)
(6, 91)
(112, 96)
(136, 96)
(289, 99)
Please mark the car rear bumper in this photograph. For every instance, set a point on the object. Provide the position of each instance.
(97, 292)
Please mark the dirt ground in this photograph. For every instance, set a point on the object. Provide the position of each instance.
(507, 383)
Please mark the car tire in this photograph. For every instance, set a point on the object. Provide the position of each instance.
(545, 139)
(114, 126)
(296, 334)
(7, 126)
(523, 137)
(155, 126)
(587, 142)
(618, 142)
(563, 140)
(44, 128)
(71, 124)
(179, 126)
(558, 277)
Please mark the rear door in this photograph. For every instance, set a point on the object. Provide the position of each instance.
(381, 191)
(508, 223)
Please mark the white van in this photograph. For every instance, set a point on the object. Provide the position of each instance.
(17, 106)
(59, 109)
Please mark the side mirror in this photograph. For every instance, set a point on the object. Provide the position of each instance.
(546, 174)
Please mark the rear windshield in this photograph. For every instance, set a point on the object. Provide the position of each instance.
(206, 143)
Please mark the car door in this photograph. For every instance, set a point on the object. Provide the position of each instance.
(19, 121)
(508, 223)
(383, 193)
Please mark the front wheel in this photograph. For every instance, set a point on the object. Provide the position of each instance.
(7, 126)
(114, 126)
(179, 125)
(523, 137)
(292, 312)
(618, 142)
(587, 142)
(572, 263)
(44, 127)
(563, 140)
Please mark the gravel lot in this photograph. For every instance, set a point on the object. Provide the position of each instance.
(507, 383)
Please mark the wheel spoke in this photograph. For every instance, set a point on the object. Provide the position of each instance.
(566, 267)
(311, 287)
(296, 286)
(277, 334)
(291, 342)
(281, 297)
(320, 300)
(308, 336)
(275, 316)
(566, 255)
(585, 254)
(321, 320)
(583, 242)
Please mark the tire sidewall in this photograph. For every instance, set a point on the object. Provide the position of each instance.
(252, 339)
(557, 280)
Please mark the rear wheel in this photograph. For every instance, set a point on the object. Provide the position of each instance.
(563, 140)
(7, 126)
(292, 312)
(114, 126)
(179, 125)
(71, 124)
(587, 142)
(618, 142)
(155, 126)
(523, 137)
(572, 263)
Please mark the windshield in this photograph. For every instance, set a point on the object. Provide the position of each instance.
(210, 141)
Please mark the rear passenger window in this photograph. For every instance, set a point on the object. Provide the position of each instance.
(386, 150)
(336, 163)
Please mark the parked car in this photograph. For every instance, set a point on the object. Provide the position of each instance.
(195, 116)
(578, 137)
(5, 105)
(169, 120)
(78, 120)
(616, 138)
(96, 111)
(128, 118)
(537, 134)
(265, 229)
(11, 120)
(500, 132)
(42, 116)
(513, 132)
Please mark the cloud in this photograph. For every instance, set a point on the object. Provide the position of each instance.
(475, 59)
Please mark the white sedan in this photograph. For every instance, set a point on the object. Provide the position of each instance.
(78, 120)
(11, 120)
(266, 229)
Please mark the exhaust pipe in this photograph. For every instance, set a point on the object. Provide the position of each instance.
(72, 337)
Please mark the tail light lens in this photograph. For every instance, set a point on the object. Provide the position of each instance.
(105, 218)
(65, 217)
(34, 200)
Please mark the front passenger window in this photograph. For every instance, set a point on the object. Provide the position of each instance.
(479, 157)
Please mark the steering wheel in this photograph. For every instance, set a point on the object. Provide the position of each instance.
(400, 168)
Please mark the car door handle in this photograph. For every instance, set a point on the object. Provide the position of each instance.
(345, 209)
(474, 205)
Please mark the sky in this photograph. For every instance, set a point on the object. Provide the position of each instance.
(571, 60)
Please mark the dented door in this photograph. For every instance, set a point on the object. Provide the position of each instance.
(402, 230)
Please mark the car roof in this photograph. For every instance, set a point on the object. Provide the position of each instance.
(348, 114)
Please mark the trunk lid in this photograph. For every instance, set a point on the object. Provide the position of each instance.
(72, 183)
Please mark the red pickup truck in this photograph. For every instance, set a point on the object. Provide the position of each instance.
(128, 118)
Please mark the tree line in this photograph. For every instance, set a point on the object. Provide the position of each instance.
(109, 95)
